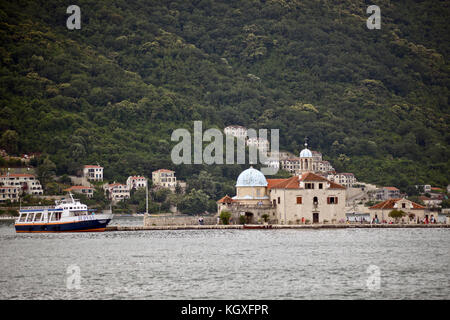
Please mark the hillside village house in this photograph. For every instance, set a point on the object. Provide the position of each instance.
(87, 191)
(9, 193)
(27, 183)
(164, 178)
(346, 179)
(413, 210)
(431, 202)
(93, 172)
(136, 182)
(116, 192)
(236, 131)
(286, 201)
(386, 193)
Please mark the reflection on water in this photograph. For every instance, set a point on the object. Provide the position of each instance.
(226, 264)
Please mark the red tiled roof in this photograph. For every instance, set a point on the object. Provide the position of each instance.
(17, 175)
(136, 177)
(111, 185)
(391, 188)
(389, 204)
(334, 185)
(290, 183)
(226, 199)
(293, 182)
(273, 182)
(92, 166)
(308, 176)
(417, 206)
(77, 188)
(163, 170)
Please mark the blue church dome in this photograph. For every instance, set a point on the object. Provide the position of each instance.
(251, 178)
(306, 153)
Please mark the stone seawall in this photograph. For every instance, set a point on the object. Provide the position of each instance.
(150, 221)
(276, 226)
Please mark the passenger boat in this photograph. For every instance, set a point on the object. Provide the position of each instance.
(67, 215)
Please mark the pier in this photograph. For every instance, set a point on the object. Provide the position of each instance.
(275, 226)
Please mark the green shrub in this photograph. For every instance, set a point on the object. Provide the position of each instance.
(225, 216)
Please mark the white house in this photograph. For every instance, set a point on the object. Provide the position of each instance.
(26, 182)
(136, 182)
(9, 193)
(93, 172)
(164, 178)
(346, 179)
(87, 191)
(117, 192)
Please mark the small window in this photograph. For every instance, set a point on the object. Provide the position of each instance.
(332, 200)
(279, 200)
(403, 205)
(299, 200)
(320, 185)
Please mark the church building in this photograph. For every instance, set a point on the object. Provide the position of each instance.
(307, 197)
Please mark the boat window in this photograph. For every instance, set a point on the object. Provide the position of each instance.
(23, 217)
(79, 213)
(37, 216)
(30, 217)
(56, 216)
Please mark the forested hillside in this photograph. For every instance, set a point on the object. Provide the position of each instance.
(374, 102)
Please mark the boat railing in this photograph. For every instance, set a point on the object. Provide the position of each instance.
(37, 207)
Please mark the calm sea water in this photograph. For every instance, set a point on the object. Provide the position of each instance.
(226, 264)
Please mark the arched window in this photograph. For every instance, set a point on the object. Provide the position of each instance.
(315, 200)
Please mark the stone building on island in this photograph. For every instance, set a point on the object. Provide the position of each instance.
(413, 211)
(302, 198)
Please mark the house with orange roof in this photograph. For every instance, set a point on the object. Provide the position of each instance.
(386, 193)
(87, 191)
(27, 183)
(136, 182)
(116, 192)
(413, 211)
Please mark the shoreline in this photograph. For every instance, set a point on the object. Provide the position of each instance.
(275, 226)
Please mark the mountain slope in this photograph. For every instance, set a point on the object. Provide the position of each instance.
(375, 102)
